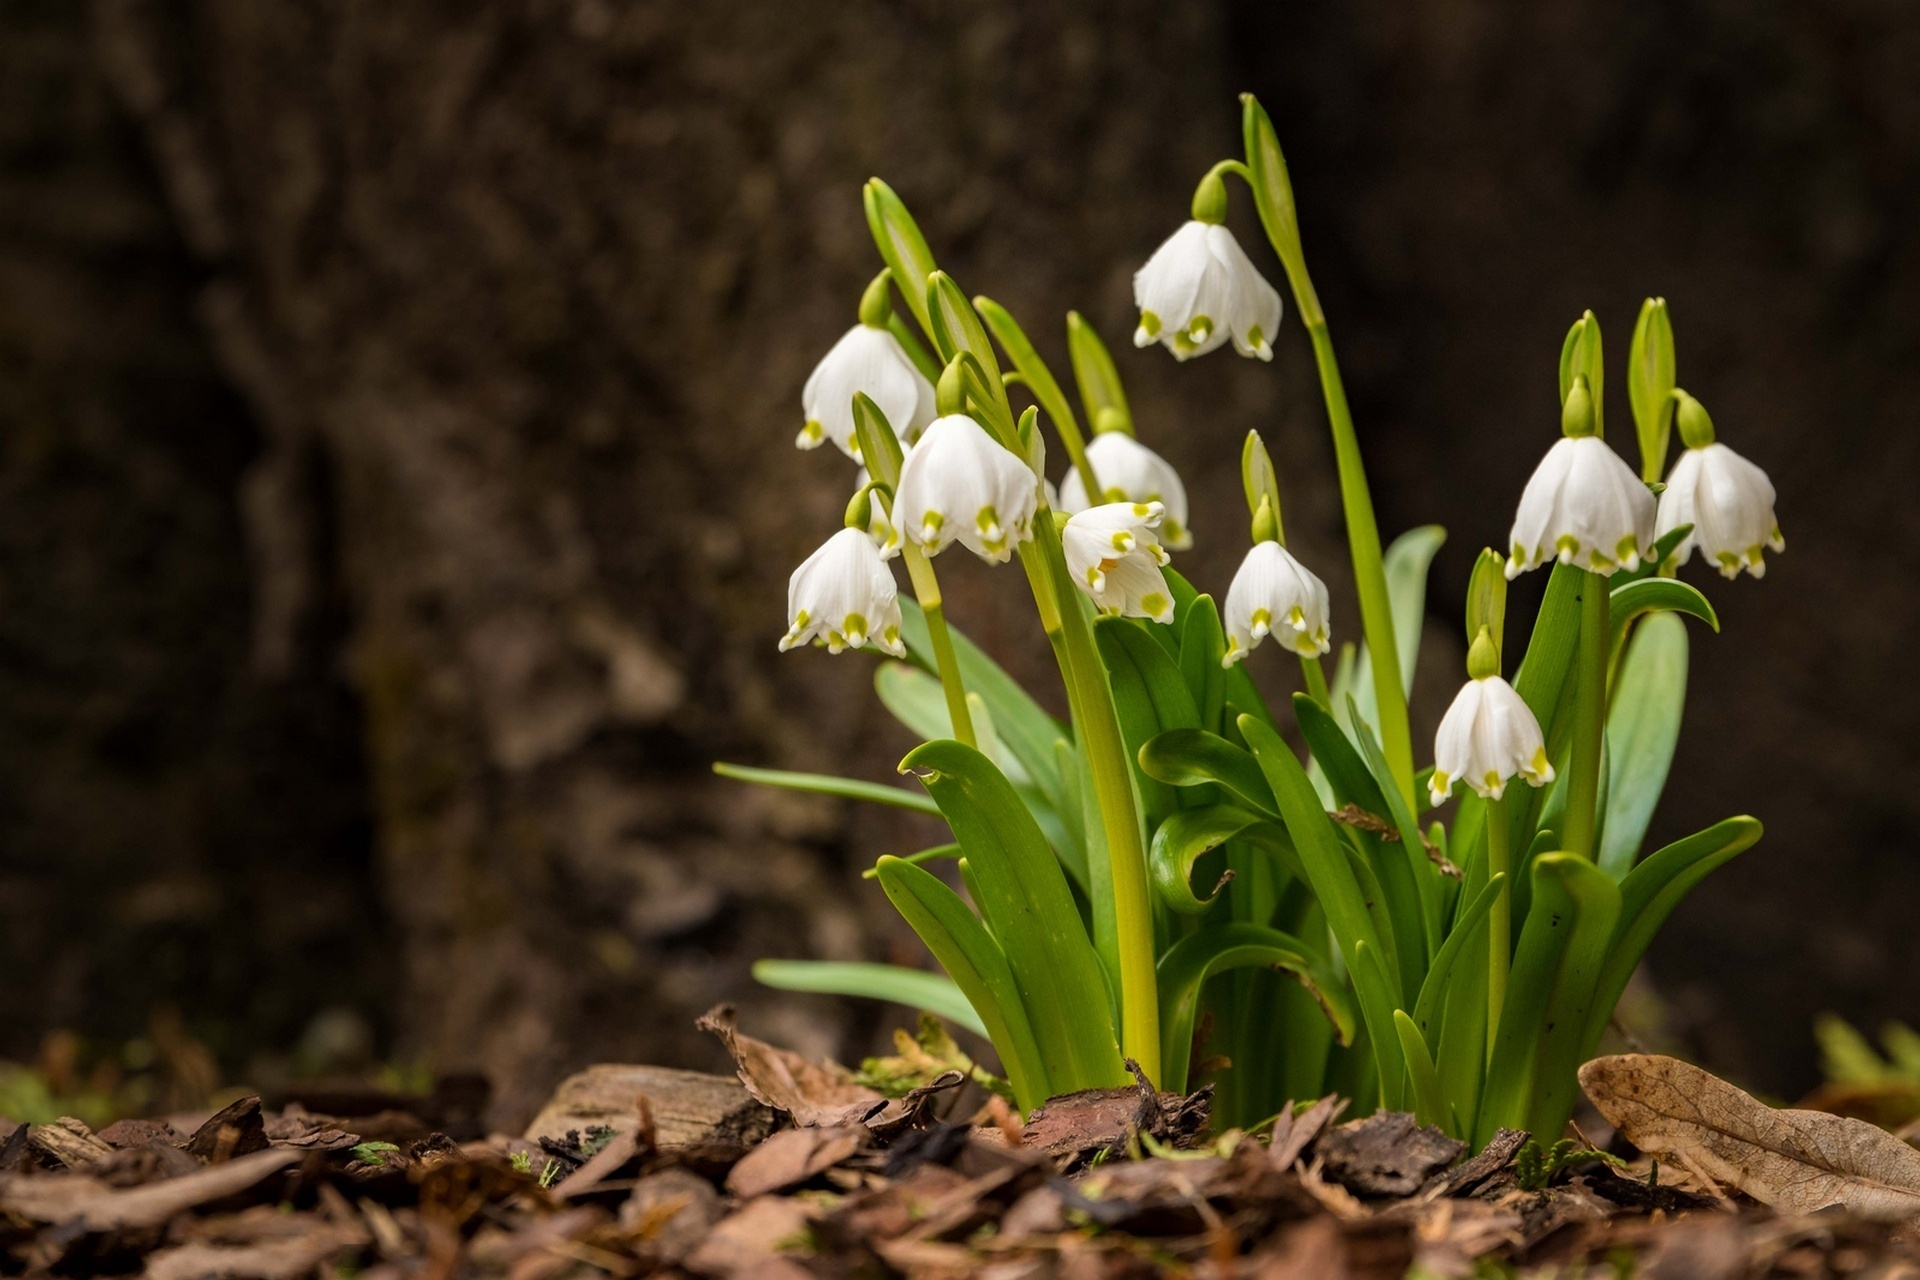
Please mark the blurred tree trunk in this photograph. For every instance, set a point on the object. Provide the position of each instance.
(533, 287)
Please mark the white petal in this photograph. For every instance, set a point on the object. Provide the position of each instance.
(872, 361)
(1585, 506)
(1274, 594)
(959, 483)
(844, 594)
(1131, 472)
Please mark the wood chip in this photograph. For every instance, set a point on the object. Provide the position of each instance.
(688, 1108)
(1797, 1161)
(1387, 1154)
(77, 1200)
(68, 1141)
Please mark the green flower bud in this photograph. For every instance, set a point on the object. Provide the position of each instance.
(1696, 428)
(876, 307)
(860, 509)
(950, 393)
(1483, 658)
(1577, 417)
(1210, 199)
(1650, 372)
(1266, 522)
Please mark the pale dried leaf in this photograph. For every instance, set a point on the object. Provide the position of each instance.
(1796, 1161)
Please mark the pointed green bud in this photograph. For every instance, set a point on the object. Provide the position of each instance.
(1210, 199)
(950, 393)
(901, 245)
(1259, 481)
(1487, 597)
(1576, 411)
(879, 447)
(876, 307)
(1033, 440)
(1696, 428)
(860, 509)
(1266, 522)
(1273, 196)
(1483, 658)
(1580, 357)
(1099, 382)
(1650, 374)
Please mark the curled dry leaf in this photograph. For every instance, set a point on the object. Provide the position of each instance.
(1796, 1161)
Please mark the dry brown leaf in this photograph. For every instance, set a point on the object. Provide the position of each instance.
(1796, 1161)
(77, 1199)
(813, 1093)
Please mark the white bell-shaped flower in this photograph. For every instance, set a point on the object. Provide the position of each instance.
(1095, 539)
(1198, 289)
(1488, 735)
(1131, 472)
(1584, 506)
(960, 483)
(844, 594)
(1729, 502)
(1274, 594)
(865, 359)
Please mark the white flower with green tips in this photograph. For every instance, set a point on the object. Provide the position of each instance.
(1584, 507)
(1488, 736)
(1199, 289)
(883, 531)
(843, 596)
(1113, 552)
(871, 360)
(1131, 472)
(1274, 594)
(1727, 500)
(959, 484)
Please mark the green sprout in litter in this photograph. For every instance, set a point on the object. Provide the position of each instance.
(373, 1153)
(1161, 876)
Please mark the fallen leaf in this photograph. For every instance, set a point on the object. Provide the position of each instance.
(89, 1203)
(1797, 1161)
(813, 1093)
(1293, 1134)
(792, 1156)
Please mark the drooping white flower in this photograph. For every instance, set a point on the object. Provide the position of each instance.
(960, 483)
(844, 594)
(1275, 594)
(865, 359)
(1198, 289)
(1488, 735)
(1131, 472)
(1584, 506)
(1729, 502)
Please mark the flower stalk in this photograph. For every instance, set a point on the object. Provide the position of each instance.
(1589, 716)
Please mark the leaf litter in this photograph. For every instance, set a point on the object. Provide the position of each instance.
(916, 1167)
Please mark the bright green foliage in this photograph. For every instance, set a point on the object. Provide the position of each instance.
(1165, 877)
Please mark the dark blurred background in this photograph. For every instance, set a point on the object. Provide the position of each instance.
(396, 493)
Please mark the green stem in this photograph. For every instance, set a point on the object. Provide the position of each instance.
(1499, 919)
(1589, 717)
(1090, 699)
(926, 588)
(1316, 678)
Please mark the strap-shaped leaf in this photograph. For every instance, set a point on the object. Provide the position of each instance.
(1650, 893)
(1635, 599)
(1149, 695)
(827, 784)
(1188, 833)
(1023, 727)
(1024, 898)
(1556, 967)
(915, 988)
(1406, 562)
(1416, 870)
(1643, 727)
(1195, 758)
(1202, 644)
(1470, 923)
(1185, 968)
(977, 966)
(1429, 1099)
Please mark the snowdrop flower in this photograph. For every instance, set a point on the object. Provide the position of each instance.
(1585, 506)
(1488, 735)
(1275, 594)
(1114, 554)
(844, 594)
(865, 359)
(959, 483)
(1727, 500)
(1131, 472)
(1198, 289)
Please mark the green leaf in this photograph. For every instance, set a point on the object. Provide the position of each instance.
(1650, 893)
(1027, 731)
(1202, 644)
(915, 699)
(956, 330)
(1101, 394)
(1406, 562)
(1324, 857)
(1650, 382)
(828, 785)
(935, 853)
(1194, 757)
(1429, 1100)
(1187, 965)
(977, 966)
(1150, 696)
(1470, 923)
(1025, 901)
(1643, 726)
(1624, 604)
(1417, 871)
(901, 246)
(1555, 970)
(1188, 833)
(915, 988)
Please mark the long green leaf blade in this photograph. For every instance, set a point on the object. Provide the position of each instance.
(828, 785)
(915, 988)
(1185, 968)
(1643, 727)
(1194, 757)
